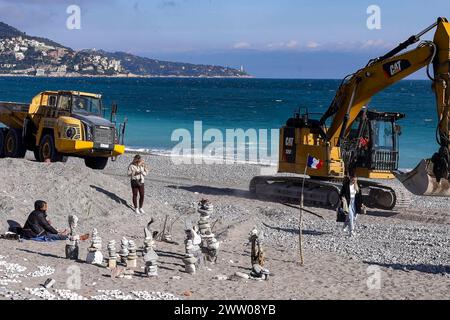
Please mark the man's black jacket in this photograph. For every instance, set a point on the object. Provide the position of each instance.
(345, 192)
(37, 225)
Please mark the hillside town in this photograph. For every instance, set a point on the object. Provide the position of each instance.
(23, 55)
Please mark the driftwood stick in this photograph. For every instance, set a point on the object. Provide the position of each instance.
(173, 222)
(214, 224)
(160, 236)
(305, 210)
(300, 235)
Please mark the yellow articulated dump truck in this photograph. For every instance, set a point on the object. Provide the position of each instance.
(59, 124)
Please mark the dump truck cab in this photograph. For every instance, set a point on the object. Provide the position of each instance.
(59, 124)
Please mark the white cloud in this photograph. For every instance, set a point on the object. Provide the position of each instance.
(312, 45)
(292, 44)
(374, 43)
(274, 45)
(352, 46)
(242, 45)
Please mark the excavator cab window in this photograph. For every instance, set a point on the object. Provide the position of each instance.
(383, 135)
(372, 142)
(383, 144)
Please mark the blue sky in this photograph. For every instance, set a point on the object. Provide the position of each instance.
(271, 38)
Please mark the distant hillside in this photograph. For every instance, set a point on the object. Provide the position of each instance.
(21, 54)
(6, 31)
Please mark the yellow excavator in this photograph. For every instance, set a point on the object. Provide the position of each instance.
(350, 139)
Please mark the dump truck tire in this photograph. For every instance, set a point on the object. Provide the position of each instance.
(47, 150)
(14, 146)
(2, 142)
(96, 163)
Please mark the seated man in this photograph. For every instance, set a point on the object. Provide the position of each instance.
(38, 227)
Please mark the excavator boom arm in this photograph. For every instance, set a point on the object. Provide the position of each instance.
(356, 92)
(357, 89)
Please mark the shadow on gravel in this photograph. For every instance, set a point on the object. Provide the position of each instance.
(48, 255)
(295, 231)
(383, 214)
(169, 254)
(113, 196)
(215, 191)
(246, 194)
(426, 268)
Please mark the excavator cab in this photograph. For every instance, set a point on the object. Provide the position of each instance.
(373, 142)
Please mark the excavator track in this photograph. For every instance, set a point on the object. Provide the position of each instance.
(289, 189)
(324, 193)
(403, 199)
(378, 196)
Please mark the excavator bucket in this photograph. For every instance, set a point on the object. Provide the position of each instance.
(422, 182)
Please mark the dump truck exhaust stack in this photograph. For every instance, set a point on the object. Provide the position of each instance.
(422, 181)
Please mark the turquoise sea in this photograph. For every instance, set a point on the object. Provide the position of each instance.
(156, 107)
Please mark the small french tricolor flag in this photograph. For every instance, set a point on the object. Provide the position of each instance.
(314, 163)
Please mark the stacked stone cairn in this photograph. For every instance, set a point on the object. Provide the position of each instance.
(150, 256)
(212, 250)
(123, 251)
(72, 243)
(257, 256)
(95, 255)
(193, 254)
(132, 255)
(112, 255)
(209, 244)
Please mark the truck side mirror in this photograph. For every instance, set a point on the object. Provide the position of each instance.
(114, 109)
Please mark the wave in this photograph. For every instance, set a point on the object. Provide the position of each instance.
(198, 155)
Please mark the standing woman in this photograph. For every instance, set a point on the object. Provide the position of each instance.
(351, 193)
(137, 171)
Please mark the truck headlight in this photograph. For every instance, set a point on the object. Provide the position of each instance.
(72, 132)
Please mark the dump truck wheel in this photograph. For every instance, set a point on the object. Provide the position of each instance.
(96, 163)
(2, 143)
(47, 150)
(14, 147)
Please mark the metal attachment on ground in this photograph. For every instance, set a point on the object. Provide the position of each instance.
(257, 256)
(49, 283)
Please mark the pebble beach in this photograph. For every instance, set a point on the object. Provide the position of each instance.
(394, 255)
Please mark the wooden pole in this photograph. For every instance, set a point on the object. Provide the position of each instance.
(300, 227)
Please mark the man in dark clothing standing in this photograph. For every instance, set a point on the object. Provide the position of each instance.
(38, 227)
